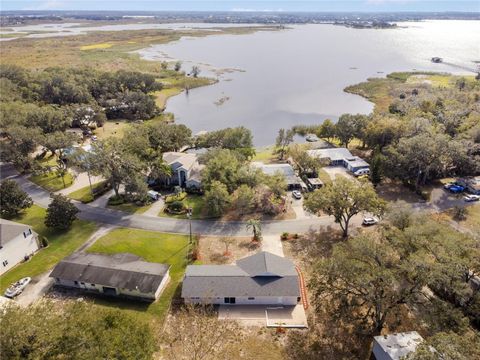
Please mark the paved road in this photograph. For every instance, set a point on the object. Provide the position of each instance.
(208, 227)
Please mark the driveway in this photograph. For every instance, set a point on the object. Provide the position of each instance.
(38, 287)
(272, 244)
(334, 171)
(81, 181)
(264, 315)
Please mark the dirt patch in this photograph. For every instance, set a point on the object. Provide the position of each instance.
(392, 191)
(212, 249)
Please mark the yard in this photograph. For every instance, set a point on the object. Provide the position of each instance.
(154, 247)
(130, 208)
(61, 244)
(195, 202)
(51, 181)
(85, 195)
(212, 249)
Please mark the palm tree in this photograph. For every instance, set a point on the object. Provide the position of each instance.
(256, 227)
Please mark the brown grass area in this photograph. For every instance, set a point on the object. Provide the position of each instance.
(392, 190)
(212, 250)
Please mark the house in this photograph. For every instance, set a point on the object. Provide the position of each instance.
(395, 346)
(340, 157)
(116, 275)
(260, 279)
(17, 243)
(293, 181)
(186, 171)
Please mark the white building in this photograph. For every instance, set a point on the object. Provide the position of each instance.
(395, 346)
(260, 279)
(17, 243)
(115, 275)
(340, 156)
(186, 171)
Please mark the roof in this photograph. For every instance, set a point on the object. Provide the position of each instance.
(262, 274)
(357, 162)
(9, 230)
(285, 169)
(186, 160)
(125, 271)
(315, 181)
(334, 154)
(399, 345)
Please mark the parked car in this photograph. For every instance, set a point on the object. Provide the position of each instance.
(456, 189)
(297, 194)
(94, 138)
(154, 195)
(17, 288)
(369, 221)
(470, 198)
(361, 172)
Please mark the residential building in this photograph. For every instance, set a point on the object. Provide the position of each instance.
(260, 279)
(293, 181)
(340, 157)
(17, 243)
(186, 170)
(115, 275)
(395, 346)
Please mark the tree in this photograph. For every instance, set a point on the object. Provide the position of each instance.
(277, 184)
(239, 139)
(227, 241)
(376, 169)
(256, 226)
(177, 66)
(112, 160)
(284, 138)
(344, 199)
(59, 140)
(61, 212)
(217, 199)
(46, 330)
(327, 130)
(13, 199)
(448, 346)
(222, 166)
(400, 215)
(244, 199)
(365, 281)
(195, 71)
(345, 129)
(198, 334)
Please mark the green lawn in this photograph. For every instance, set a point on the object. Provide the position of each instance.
(265, 154)
(323, 175)
(153, 246)
(84, 194)
(61, 244)
(196, 202)
(52, 181)
(130, 208)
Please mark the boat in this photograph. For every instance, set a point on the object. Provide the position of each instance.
(17, 288)
(312, 138)
(437, 59)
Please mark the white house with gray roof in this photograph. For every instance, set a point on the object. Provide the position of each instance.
(186, 170)
(260, 279)
(115, 275)
(396, 346)
(340, 156)
(17, 243)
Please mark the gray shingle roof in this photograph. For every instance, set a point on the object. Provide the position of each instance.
(9, 230)
(334, 154)
(262, 274)
(125, 271)
(285, 169)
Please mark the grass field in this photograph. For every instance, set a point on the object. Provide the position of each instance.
(52, 181)
(84, 194)
(265, 154)
(130, 208)
(153, 246)
(96, 46)
(61, 244)
(196, 202)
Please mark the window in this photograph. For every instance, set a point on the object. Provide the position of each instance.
(5, 263)
(229, 300)
(251, 298)
(75, 282)
(92, 284)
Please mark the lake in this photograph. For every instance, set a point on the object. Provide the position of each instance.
(277, 79)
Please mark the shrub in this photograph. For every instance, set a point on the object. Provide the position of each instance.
(176, 207)
(116, 200)
(177, 197)
(61, 213)
(284, 236)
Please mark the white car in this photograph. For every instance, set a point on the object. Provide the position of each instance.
(362, 172)
(470, 198)
(154, 195)
(297, 194)
(17, 288)
(312, 138)
(369, 221)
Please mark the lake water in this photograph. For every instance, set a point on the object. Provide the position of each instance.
(278, 79)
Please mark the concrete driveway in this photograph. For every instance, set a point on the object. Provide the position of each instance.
(264, 315)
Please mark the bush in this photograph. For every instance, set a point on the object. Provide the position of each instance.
(44, 242)
(176, 207)
(116, 200)
(178, 197)
(61, 213)
(284, 236)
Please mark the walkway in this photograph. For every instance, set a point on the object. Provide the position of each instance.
(81, 181)
(272, 244)
(156, 207)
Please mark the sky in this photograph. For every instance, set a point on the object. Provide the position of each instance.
(235, 5)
